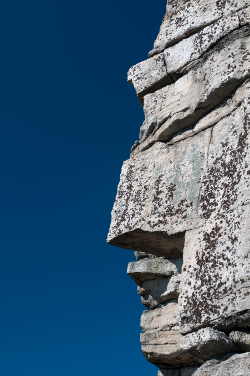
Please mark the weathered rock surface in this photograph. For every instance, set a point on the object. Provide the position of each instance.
(162, 348)
(160, 70)
(162, 318)
(149, 75)
(237, 365)
(183, 19)
(147, 269)
(207, 343)
(194, 47)
(156, 292)
(208, 82)
(241, 338)
(183, 201)
(142, 255)
(158, 197)
(166, 347)
(187, 371)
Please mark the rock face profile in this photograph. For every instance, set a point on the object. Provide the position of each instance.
(183, 201)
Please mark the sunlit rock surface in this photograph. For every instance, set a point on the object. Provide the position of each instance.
(183, 201)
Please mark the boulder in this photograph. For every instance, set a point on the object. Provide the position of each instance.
(237, 365)
(207, 343)
(164, 318)
(158, 291)
(162, 347)
(147, 269)
(186, 371)
(149, 75)
(241, 338)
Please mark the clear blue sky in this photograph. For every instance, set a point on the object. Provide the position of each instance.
(68, 120)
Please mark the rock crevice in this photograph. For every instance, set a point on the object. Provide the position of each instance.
(183, 201)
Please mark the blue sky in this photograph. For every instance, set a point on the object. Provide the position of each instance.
(68, 120)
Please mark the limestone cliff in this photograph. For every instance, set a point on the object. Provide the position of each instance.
(183, 201)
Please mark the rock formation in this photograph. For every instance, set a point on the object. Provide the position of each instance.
(183, 201)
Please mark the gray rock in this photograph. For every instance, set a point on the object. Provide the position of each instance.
(147, 269)
(237, 365)
(208, 82)
(183, 19)
(221, 244)
(142, 255)
(187, 371)
(207, 343)
(184, 193)
(162, 347)
(192, 48)
(220, 111)
(157, 198)
(209, 298)
(158, 291)
(156, 72)
(241, 338)
(149, 75)
(166, 347)
(163, 318)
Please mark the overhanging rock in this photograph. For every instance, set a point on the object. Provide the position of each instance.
(183, 201)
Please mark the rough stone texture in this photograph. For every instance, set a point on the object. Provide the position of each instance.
(222, 243)
(158, 279)
(165, 318)
(192, 48)
(241, 338)
(147, 269)
(156, 292)
(207, 343)
(158, 196)
(187, 371)
(237, 365)
(160, 70)
(162, 348)
(164, 345)
(142, 255)
(184, 18)
(149, 75)
(215, 280)
(183, 201)
(208, 82)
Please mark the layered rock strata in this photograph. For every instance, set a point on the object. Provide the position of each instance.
(183, 201)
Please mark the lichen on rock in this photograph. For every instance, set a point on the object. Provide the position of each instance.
(183, 201)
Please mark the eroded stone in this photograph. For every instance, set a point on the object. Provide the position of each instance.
(207, 343)
(237, 365)
(162, 70)
(187, 371)
(158, 291)
(157, 198)
(208, 82)
(192, 48)
(183, 19)
(162, 347)
(162, 318)
(185, 191)
(147, 269)
(215, 281)
(149, 75)
(241, 338)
